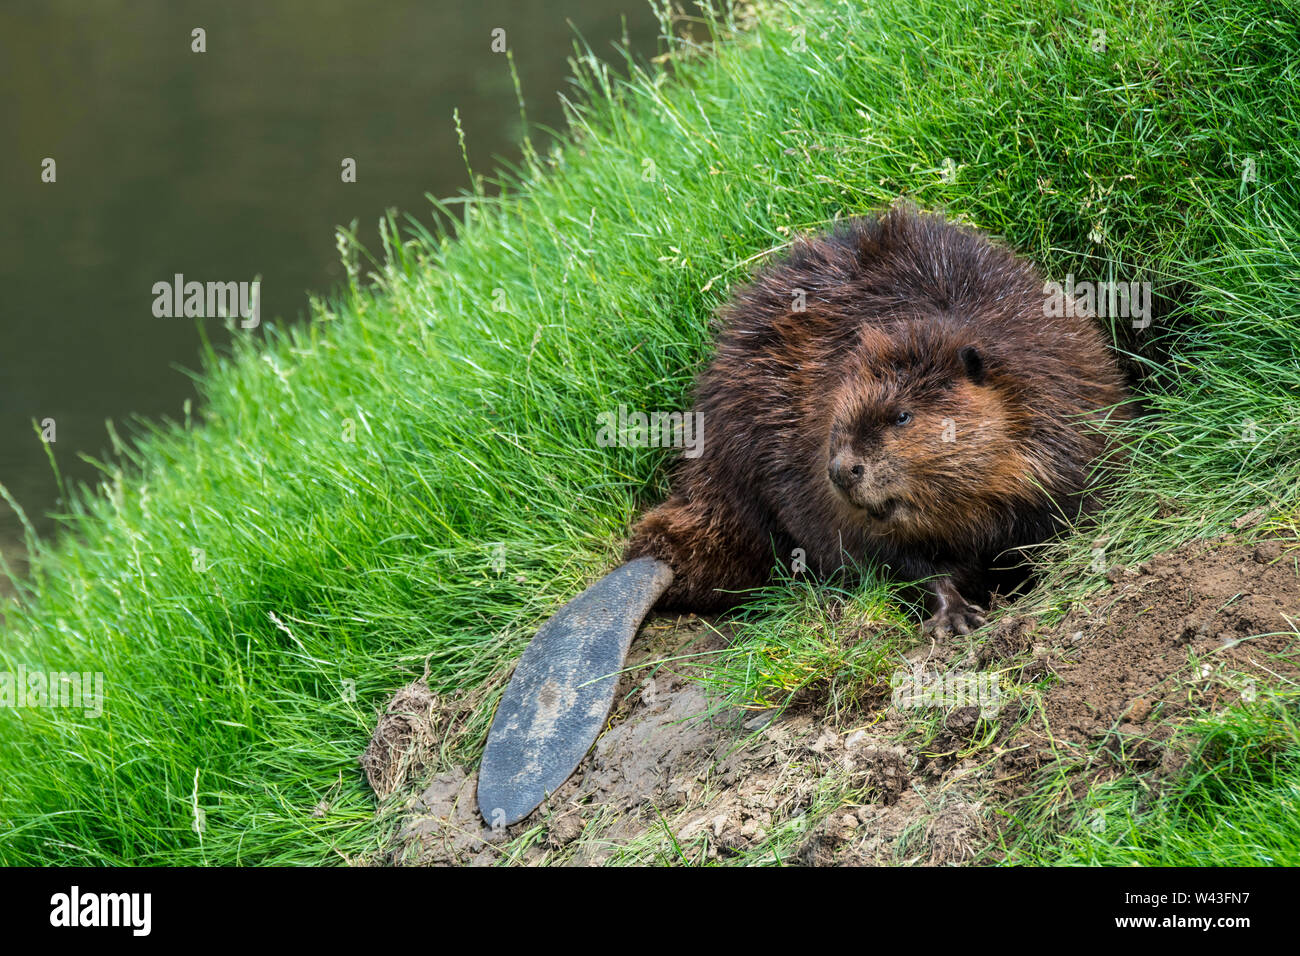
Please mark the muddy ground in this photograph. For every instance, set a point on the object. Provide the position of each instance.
(931, 775)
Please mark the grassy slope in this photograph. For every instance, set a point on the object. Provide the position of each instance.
(471, 374)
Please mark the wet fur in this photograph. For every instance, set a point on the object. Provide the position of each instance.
(904, 312)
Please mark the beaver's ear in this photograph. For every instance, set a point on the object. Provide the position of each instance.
(972, 362)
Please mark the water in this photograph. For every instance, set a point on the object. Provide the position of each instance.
(222, 166)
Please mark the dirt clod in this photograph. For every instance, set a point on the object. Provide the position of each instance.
(402, 741)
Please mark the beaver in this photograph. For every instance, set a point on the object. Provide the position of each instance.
(891, 394)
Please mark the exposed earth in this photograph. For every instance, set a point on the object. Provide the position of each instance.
(922, 777)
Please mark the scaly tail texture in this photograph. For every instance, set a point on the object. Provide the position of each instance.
(562, 690)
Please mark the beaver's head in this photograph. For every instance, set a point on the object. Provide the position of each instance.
(922, 439)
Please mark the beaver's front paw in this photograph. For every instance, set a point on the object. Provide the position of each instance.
(960, 618)
(950, 613)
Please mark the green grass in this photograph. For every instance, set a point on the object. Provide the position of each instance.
(353, 482)
(1239, 806)
(797, 638)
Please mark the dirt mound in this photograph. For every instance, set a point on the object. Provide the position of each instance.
(678, 777)
(1194, 629)
(717, 783)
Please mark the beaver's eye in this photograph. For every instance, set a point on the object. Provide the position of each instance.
(903, 418)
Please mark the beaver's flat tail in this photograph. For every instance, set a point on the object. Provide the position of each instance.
(562, 690)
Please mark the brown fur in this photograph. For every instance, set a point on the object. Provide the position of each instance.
(904, 313)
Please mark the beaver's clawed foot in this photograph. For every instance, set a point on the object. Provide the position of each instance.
(961, 619)
(950, 613)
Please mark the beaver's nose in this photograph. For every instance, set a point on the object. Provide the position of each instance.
(844, 471)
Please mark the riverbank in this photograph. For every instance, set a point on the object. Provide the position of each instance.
(406, 486)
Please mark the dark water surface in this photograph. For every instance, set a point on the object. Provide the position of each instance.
(223, 166)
